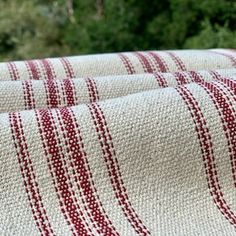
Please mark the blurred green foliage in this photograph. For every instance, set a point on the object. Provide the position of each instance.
(42, 28)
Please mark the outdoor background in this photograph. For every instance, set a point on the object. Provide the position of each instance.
(43, 28)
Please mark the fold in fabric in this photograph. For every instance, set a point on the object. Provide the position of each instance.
(118, 64)
(144, 154)
(31, 94)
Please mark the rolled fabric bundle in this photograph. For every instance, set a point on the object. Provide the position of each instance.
(31, 94)
(160, 162)
(118, 64)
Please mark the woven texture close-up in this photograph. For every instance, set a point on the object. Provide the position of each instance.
(120, 144)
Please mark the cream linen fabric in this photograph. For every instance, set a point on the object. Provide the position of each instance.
(119, 154)
(118, 64)
(31, 94)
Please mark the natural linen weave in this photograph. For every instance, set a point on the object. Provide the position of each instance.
(137, 143)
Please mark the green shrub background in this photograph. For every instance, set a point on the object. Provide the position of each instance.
(43, 28)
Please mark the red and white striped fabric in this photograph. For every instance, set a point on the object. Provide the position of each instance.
(31, 94)
(144, 154)
(118, 64)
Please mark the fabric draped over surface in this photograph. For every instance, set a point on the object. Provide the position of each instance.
(132, 143)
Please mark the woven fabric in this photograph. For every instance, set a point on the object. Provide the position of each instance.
(143, 154)
(31, 94)
(118, 64)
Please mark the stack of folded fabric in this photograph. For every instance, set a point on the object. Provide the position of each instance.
(137, 143)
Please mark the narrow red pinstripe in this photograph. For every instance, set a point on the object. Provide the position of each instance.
(127, 63)
(144, 62)
(180, 65)
(161, 64)
(118, 187)
(67, 67)
(180, 78)
(13, 71)
(60, 176)
(215, 75)
(113, 169)
(83, 175)
(206, 145)
(29, 178)
(162, 82)
(230, 57)
(28, 94)
(32, 69)
(92, 89)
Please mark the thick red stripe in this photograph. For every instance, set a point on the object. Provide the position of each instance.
(195, 77)
(92, 89)
(48, 69)
(29, 178)
(206, 145)
(67, 67)
(161, 80)
(32, 69)
(52, 93)
(28, 94)
(69, 91)
(113, 169)
(160, 63)
(144, 62)
(79, 162)
(51, 87)
(127, 63)
(60, 176)
(13, 71)
(180, 65)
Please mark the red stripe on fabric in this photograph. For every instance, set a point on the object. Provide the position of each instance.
(228, 117)
(28, 94)
(180, 65)
(206, 145)
(92, 89)
(127, 63)
(52, 93)
(67, 67)
(160, 63)
(51, 87)
(61, 179)
(230, 57)
(180, 78)
(32, 69)
(83, 175)
(113, 169)
(28, 175)
(215, 75)
(69, 91)
(13, 71)
(161, 80)
(144, 62)
(195, 76)
(48, 69)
